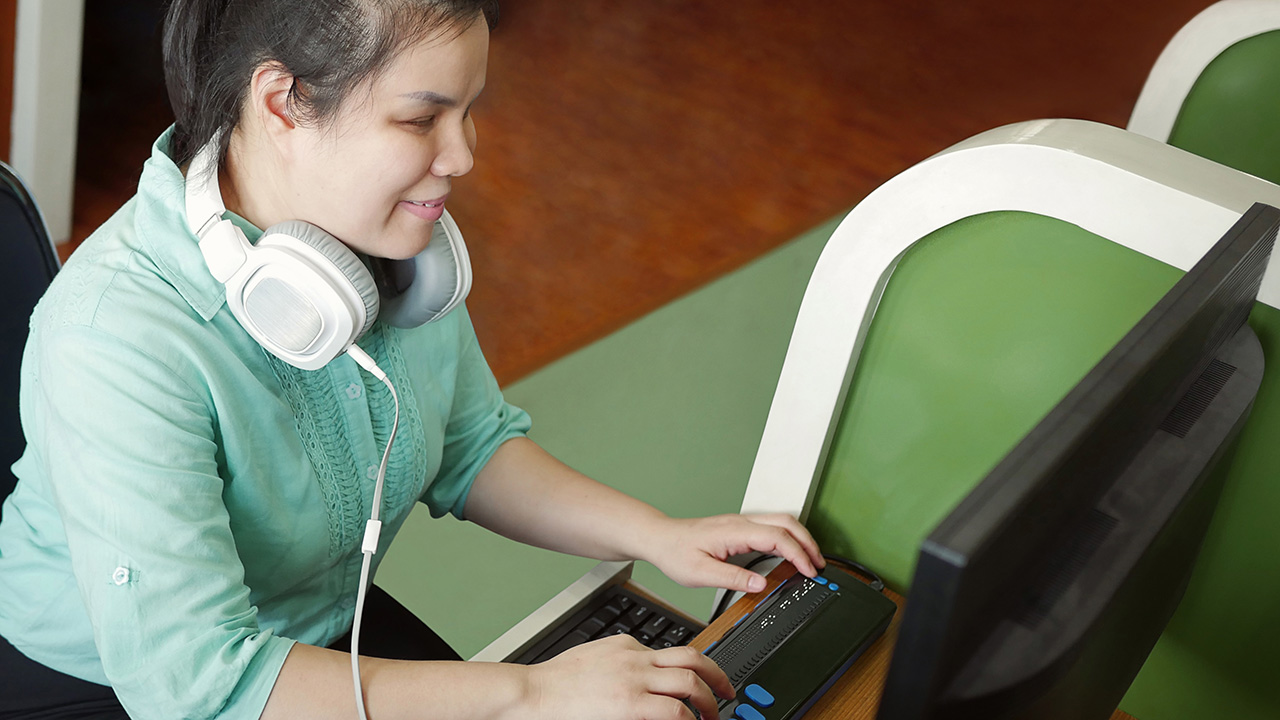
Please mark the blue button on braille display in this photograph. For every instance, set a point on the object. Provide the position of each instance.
(820, 580)
(758, 695)
(746, 712)
(834, 587)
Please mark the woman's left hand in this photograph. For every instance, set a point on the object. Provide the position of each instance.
(694, 552)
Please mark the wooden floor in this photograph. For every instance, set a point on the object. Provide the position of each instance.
(630, 153)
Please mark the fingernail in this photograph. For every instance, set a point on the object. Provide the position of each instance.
(755, 584)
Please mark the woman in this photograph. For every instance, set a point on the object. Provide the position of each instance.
(186, 532)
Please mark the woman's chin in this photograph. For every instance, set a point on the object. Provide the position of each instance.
(398, 251)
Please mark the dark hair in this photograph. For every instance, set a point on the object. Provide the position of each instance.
(212, 47)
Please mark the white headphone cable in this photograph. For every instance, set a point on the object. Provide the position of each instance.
(373, 528)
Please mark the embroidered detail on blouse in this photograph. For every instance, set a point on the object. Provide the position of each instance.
(77, 293)
(317, 400)
(408, 461)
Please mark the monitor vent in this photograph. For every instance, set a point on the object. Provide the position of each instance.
(1062, 566)
(1192, 405)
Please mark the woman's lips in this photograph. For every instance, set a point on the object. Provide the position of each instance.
(429, 210)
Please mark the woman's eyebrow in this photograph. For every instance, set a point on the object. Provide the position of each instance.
(432, 98)
(435, 98)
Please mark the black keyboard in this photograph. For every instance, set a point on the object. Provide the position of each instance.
(615, 611)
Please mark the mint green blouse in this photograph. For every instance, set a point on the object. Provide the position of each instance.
(188, 506)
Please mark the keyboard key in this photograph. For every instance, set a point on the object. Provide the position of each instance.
(637, 614)
(626, 622)
(677, 634)
(616, 629)
(622, 602)
(746, 712)
(571, 640)
(655, 625)
(820, 580)
(591, 626)
(758, 695)
(607, 614)
(645, 638)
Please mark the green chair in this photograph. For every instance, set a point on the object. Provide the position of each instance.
(956, 305)
(1215, 90)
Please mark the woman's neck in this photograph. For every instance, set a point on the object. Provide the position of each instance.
(248, 181)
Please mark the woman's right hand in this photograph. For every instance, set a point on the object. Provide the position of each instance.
(617, 678)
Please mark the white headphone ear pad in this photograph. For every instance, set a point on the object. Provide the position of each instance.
(441, 279)
(346, 261)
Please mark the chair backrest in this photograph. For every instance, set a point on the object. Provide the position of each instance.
(1215, 90)
(28, 262)
(997, 273)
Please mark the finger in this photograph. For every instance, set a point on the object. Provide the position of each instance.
(774, 540)
(666, 708)
(705, 667)
(684, 683)
(797, 531)
(718, 573)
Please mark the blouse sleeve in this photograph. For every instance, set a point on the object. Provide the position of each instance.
(480, 420)
(130, 447)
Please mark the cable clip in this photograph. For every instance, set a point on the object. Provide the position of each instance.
(372, 530)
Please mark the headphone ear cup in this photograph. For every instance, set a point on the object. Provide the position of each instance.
(434, 282)
(342, 258)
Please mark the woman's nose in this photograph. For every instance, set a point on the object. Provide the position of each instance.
(456, 156)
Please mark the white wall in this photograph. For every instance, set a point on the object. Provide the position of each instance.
(46, 100)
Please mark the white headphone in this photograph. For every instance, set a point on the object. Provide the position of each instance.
(301, 293)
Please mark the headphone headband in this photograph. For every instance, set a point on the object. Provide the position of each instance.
(222, 244)
(204, 196)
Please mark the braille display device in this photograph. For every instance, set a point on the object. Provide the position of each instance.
(784, 654)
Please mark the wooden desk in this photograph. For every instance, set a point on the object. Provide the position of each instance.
(856, 695)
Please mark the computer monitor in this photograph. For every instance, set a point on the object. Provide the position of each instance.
(1042, 593)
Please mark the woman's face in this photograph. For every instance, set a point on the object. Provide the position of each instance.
(378, 175)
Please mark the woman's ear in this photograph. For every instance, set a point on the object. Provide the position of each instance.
(270, 91)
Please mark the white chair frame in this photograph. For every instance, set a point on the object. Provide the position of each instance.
(1215, 29)
(1145, 195)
